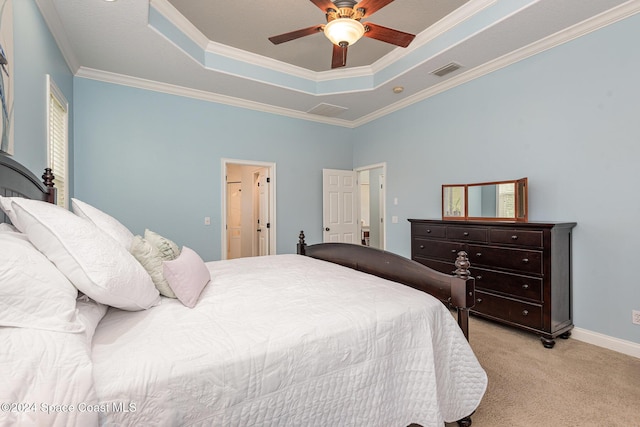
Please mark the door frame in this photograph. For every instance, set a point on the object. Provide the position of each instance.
(272, 201)
(383, 198)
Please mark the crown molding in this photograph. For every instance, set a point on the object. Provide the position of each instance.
(179, 21)
(52, 19)
(447, 23)
(170, 89)
(188, 29)
(602, 20)
(609, 17)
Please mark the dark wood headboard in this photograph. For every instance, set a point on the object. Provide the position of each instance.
(16, 180)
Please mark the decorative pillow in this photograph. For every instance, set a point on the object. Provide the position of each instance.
(103, 221)
(187, 275)
(150, 258)
(168, 249)
(95, 263)
(33, 293)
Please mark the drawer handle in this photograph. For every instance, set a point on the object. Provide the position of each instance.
(478, 277)
(454, 251)
(478, 254)
(525, 260)
(514, 237)
(466, 233)
(525, 312)
(479, 300)
(525, 286)
(428, 230)
(421, 246)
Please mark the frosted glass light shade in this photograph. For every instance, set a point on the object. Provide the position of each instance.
(344, 30)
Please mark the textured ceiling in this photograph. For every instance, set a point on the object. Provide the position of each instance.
(247, 25)
(219, 51)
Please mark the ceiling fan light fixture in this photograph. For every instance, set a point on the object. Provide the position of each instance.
(343, 31)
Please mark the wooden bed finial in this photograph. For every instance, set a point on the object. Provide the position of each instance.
(48, 177)
(301, 244)
(462, 264)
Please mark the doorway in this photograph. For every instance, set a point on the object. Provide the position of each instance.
(353, 205)
(248, 209)
(372, 208)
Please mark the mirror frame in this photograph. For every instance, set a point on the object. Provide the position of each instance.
(521, 187)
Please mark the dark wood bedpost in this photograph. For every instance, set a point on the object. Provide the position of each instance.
(47, 179)
(301, 243)
(463, 292)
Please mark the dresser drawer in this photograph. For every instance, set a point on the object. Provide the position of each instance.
(507, 258)
(439, 249)
(506, 283)
(508, 309)
(429, 230)
(531, 238)
(469, 234)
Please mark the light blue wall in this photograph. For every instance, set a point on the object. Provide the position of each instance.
(566, 118)
(157, 159)
(569, 120)
(36, 55)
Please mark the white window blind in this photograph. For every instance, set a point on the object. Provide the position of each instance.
(58, 139)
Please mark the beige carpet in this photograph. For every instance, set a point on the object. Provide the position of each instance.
(573, 384)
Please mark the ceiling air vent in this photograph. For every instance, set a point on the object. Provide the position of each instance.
(449, 68)
(327, 110)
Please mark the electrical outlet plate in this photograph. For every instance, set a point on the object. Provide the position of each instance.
(635, 317)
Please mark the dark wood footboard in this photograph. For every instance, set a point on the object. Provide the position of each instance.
(458, 291)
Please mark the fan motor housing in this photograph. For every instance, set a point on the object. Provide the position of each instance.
(345, 12)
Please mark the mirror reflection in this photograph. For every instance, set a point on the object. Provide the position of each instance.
(453, 200)
(501, 200)
(492, 201)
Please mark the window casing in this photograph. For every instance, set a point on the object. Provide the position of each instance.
(58, 140)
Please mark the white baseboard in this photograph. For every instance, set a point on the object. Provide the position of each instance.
(601, 340)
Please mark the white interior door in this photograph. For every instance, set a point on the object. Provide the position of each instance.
(339, 205)
(264, 226)
(234, 221)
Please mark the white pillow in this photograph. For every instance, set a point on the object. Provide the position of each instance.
(7, 228)
(187, 275)
(33, 293)
(103, 221)
(150, 258)
(95, 263)
(5, 205)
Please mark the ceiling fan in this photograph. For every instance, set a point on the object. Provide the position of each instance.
(343, 27)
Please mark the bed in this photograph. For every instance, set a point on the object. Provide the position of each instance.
(333, 335)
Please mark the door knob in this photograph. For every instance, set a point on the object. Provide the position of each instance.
(327, 229)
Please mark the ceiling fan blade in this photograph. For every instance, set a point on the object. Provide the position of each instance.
(371, 6)
(388, 35)
(324, 5)
(339, 58)
(295, 34)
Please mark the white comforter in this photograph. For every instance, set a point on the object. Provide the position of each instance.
(286, 340)
(46, 377)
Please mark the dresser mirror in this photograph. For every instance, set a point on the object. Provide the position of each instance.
(497, 201)
(454, 198)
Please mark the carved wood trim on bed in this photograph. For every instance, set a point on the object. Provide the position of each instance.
(458, 291)
(16, 180)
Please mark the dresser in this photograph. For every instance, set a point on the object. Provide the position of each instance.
(522, 269)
